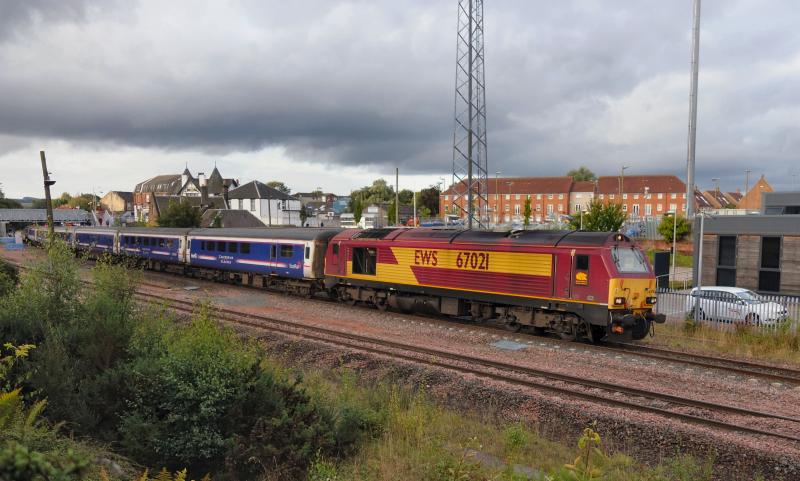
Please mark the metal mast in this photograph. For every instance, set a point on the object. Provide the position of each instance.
(693, 112)
(470, 166)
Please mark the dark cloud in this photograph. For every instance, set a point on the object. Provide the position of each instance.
(598, 83)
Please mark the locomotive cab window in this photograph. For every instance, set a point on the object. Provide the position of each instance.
(629, 260)
(365, 260)
(336, 249)
(287, 250)
(582, 262)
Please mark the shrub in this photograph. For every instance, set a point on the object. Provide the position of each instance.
(602, 217)
(682, 228)
(9, 276)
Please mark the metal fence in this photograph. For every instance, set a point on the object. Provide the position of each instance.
(726, 310)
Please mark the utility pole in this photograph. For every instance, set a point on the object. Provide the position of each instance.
(746, 186)
(48, 200)
(397, 196)
(693, 112)
(415, 208)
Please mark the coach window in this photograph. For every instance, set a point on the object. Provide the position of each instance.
(769, 275)
(287, 250)
(202, 245)
(245, 248)
(220, 246)
(161, 243)
(364, 260)
(170, 243)
(233, 247)
(211, 245)
(273, 251)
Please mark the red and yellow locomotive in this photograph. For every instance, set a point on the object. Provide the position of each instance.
(579, 285)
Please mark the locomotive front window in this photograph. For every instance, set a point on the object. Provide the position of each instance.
(629, 260)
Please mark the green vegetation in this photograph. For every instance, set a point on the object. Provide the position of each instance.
(681, 259)
(527, 213)
(279, 186)
(679, 226)
(582, 173)
(781, 343)
(180, 214)
(602, 217)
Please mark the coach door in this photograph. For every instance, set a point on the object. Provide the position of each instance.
(579, 278)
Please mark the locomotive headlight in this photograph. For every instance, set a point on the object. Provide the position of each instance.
(619, 301)
(651, 300)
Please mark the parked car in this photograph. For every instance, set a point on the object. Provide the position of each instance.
(734, 304)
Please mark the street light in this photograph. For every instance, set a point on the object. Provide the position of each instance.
(622, 180)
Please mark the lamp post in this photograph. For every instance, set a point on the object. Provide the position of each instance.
(622, 181)
(746, 186)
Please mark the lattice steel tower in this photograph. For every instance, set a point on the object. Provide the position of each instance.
(470, 166)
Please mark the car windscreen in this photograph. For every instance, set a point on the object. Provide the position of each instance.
(629, 260)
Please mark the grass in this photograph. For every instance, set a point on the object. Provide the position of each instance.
(780, 344)
(419, 440)
(681, 259)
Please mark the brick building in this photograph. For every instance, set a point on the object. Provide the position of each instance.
(644, 195)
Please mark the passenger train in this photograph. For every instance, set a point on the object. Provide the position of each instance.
(592, 286)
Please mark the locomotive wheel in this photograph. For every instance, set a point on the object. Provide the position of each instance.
(382, 304)
(512, 326)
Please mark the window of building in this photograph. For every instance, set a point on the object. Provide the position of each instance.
(601, 196)
(241, 204)
(635, 196)
(769, 276)
(287, 250)
(516, 197)
(447, 197)
(726, 261)
(508, 218)
(550, 196)
(624, 207)
(635, 209)
(624, 196)
(364, 260)
(252, 204)
(560, 196)
(660, 196)
(539, 207)
(549, 209)
(508, 196)
(507, 208)
(673, 207)
(538, 196)
(561, 207)
(660, 207)
(648, 196)
(578, 207)
(610, 196)
(648, 209)
(673, 196)
(516, 209)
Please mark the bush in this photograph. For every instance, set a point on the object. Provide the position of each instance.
(9, 277)
(681, 229)
(601, 217)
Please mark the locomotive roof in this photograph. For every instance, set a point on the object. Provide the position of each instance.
(547, 238)
(293, 233)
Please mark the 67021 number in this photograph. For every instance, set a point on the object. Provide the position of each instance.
(478, 261)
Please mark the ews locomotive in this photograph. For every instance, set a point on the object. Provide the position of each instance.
(577, 285)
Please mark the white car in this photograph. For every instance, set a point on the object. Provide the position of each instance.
(734, 304)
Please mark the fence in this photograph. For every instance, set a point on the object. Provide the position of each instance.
(724, 310)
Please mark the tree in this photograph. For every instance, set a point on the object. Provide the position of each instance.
(8, 203)
(279, 186)
(180, 214)
(376, 193)
(358, 208)
(581, 173)
(430, 198)
(303, 215)
(668, 225)
(527, 213)
(601, 217)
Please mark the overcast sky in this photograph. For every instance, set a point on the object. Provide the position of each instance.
(334, 94)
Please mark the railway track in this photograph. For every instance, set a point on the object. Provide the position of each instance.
(574, 387)
(739, 367)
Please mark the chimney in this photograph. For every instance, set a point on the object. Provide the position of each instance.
(203, 194)
(201, 177)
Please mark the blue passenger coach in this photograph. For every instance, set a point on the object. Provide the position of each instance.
(283, 252)
(159, 245)
(95, 240)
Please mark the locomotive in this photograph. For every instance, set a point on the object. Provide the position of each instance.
(595, 286)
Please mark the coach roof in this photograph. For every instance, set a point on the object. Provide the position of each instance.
(292, 233)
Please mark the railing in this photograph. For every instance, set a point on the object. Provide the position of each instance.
(725, 310)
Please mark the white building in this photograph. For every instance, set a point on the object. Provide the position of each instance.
(271, 206)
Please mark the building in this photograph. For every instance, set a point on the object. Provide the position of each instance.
(179, 185)
(780, 203)
(550, 197)
(751, 200)
(644, 195)
(271, 206)
(758, 252)
(117, 202)
(581, 196)
(229, 218)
